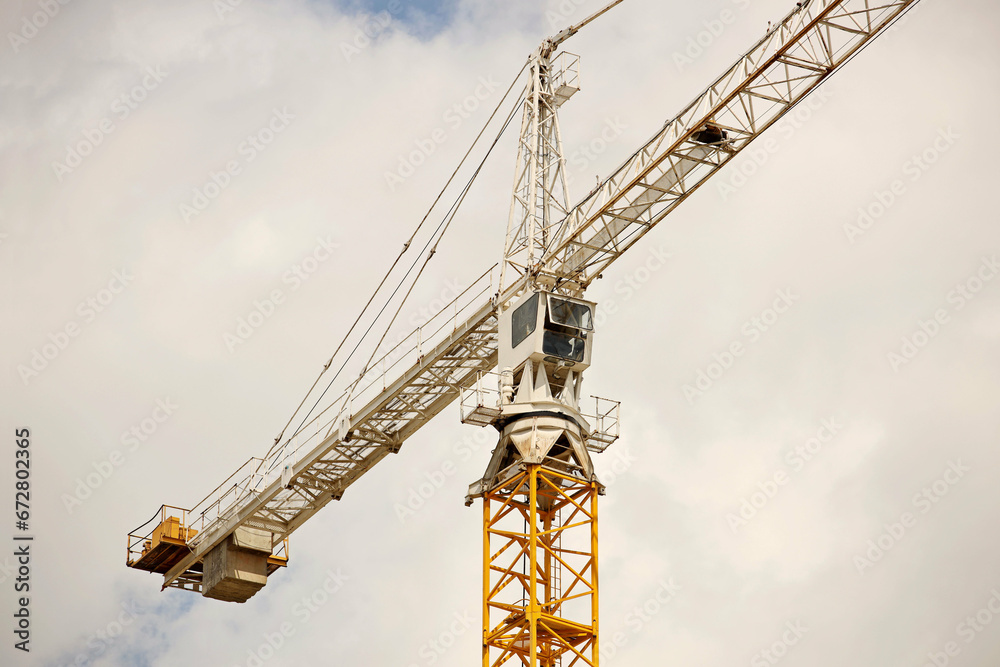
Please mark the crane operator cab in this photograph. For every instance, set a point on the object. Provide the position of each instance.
(550, 334)
(545, 344)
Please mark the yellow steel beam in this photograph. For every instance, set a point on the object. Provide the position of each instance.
(532, 617)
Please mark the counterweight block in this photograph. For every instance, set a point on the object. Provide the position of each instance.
(237, 568)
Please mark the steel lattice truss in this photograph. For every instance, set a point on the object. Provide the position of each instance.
(540, 579)
(540, 197)
(790, 61)
(351, 447)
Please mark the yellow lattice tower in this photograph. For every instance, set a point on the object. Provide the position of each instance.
(540, 575)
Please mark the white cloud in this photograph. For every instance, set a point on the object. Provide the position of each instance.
(324, 174)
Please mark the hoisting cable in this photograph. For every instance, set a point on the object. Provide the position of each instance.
(449, 218)
(445, 222)
(394, 264)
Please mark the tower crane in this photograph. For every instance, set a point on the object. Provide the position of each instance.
(512, 349)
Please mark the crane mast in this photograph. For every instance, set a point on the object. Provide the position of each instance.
(541, 196)
(513, 349)
(540, 200)
(539, 492)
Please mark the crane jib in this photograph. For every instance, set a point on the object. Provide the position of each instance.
(277, 494)
(784, 67)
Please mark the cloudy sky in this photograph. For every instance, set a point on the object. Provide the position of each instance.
(828, 496)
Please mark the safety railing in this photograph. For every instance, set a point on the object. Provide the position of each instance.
(480, 404)
(607, 423)
(226, 499)
(140, 541)
(281, 553)
(170, 523)
(564, 72)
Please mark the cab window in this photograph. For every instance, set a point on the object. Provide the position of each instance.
(523, 320)
(570, 314)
